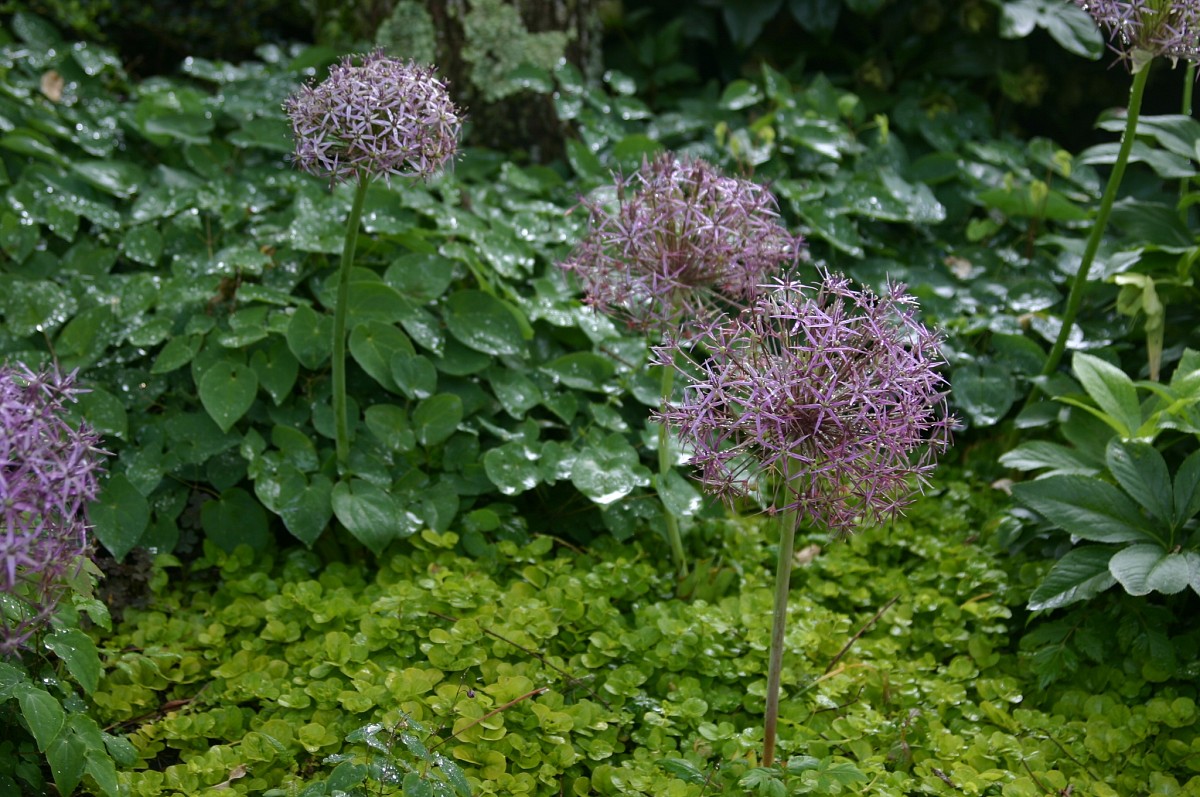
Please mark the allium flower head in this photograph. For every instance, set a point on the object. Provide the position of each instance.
(381, 118)
(681, 241)
(826, 395)
(1144, 29)
(48, 474)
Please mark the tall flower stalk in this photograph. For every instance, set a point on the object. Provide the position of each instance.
(49, 472)
(382, 118)
(681, 244)
(825, 400)
(1140, 32)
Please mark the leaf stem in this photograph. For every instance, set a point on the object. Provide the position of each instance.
(341, 425)
(1075, 297)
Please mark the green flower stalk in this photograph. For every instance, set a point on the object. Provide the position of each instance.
(1140, 31)
(383, 118)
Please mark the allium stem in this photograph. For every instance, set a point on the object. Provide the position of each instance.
(1075, 297)
(664, 467)
(788, 521)
(341, 424)
(1189, 80)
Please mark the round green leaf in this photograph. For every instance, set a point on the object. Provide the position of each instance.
(227, 390)
(436, 418)
(371, 514)
(512, 467)
(582, 371)
(415, 375)
(984, 394)
(484, 323)
(420, 277)
(607, 471)
(373, 344)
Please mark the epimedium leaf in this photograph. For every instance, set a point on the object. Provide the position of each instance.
(67, 756)
(484, 323)
(1142, 472)
(1081, 574)
(310, 336)
(119, 516)
(376, 301)
(227, 391)
(608, 471)
(78, 652)
(1142, 569)
(1112, 390)
(420, 277)
(389, 423)
(436, 418)
(516, 393)
(42, 713)
(277, 369)
(984, 393)
(1086, 507)
(307, 512)
(512, 467)
(234, 519)
(373, 344)
(582, 371)
(414, 375)
(370, 514)
(177, 353)
(678, 494)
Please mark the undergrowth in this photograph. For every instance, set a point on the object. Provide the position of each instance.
(550, 670)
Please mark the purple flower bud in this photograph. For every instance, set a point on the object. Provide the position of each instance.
(826, 397)
(1143, 29)
(681, 243)
(48, 474)
(382, 118)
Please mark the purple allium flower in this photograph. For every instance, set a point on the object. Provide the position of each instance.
(681, 241)
(1144, 29)
(382, 118)
(826, 395)
(48, 474)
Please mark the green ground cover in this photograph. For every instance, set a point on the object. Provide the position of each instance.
(479, 595)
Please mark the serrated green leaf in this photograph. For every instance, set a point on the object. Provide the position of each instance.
(42, 713)
(78, 652)
(1112, 391)
(1142, 472)
(119, 516)
(1086, 507)
(1081, 574)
